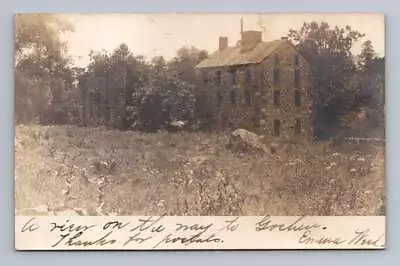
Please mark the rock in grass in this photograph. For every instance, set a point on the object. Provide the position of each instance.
(242, 140)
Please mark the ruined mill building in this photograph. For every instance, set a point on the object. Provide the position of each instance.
(259, 86)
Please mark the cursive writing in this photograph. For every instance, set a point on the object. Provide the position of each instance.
(231, 225)
(362, 238)
(266, 224)
(115, 225)
(307, 239)
(70, 227)
(193, 227)
(137, 238)
(160, 232)
(30, 226)
(193, 239)
(74, 240)
(150, 223)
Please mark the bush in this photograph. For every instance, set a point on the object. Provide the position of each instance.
(155, 108)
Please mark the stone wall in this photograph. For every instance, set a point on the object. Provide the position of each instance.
(254, 107)
(230, 100)
(285, 109)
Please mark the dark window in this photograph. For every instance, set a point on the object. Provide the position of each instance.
(262, 90)
(233, 96)
(276, 76)
(107, 113)
(247, 76)
(297, 127)
(219, 98)
(277, 127)
(263, 83)
(277, 59)
(296, 59)
(218, 78)
(296, 78)
(248, 97)
(256, 122)
(297, 98)
(277, 98)
(91, 104)
(205, 77)
(233, 78)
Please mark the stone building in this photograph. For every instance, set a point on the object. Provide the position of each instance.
(259, 86)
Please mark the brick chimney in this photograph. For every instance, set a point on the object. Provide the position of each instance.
(223, 43)
(250, 39)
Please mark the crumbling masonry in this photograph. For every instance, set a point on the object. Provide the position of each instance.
(260, 86)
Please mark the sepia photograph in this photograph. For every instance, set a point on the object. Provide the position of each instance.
(199, 114)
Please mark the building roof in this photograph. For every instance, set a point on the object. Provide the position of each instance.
(233, 56)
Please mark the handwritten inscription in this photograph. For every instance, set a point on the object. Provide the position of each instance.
(74, 240)
(30, 226)
(197, 235)
(154, 224)
(137, 238)
(231, 225)
(363, 238)
(306, 238)
(114, 225)
(359, 238)
(267, 224)
(69, 227)
(161, 232)
(71, 234)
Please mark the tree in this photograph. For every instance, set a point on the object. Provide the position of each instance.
(328, 51)
(183, 64)
(369, 83)
(42, 74)
(106, 65)
(367, 54)
(158, 92)
(39, 34)
(169, 94)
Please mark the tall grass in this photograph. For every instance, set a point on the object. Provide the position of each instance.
(132, 173)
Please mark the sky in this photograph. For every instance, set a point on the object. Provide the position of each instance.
(163, 34)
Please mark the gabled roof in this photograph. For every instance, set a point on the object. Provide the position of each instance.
(233, 56)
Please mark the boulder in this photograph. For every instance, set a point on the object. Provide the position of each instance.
(242, 140)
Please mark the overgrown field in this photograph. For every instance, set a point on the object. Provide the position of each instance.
(107, 172)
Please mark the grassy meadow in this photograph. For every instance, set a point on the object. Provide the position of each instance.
(106, 172)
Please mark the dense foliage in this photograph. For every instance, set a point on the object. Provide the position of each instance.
(162, 92)
(348, 89)
(344, 85)
(44, 90)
